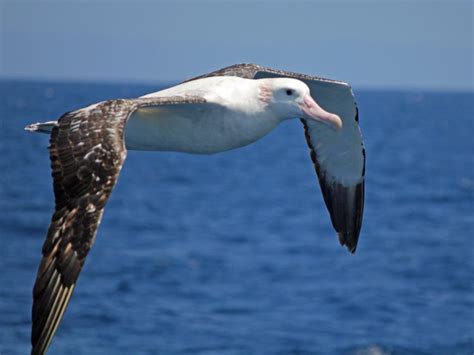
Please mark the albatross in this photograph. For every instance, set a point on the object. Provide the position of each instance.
(226, 109)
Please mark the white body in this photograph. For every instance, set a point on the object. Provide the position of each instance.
(232, 117)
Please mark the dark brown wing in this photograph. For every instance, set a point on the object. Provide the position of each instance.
(87, 152)
(338, 157)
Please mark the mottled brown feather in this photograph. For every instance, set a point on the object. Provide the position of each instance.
(87, 152)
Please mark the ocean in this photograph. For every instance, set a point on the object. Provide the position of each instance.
(234, 253)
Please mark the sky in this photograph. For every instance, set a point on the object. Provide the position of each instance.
(380, 44)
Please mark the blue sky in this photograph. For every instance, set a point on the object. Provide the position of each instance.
(418, 43)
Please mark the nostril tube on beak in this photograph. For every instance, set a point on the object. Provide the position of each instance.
(309, 102)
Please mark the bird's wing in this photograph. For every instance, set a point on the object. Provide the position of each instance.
(338, 156)
(87, 152)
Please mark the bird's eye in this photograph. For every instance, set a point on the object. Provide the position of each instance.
(289, 92)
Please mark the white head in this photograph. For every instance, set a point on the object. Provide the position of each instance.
(290, 98)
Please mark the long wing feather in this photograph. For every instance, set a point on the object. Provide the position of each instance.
(338, 157)
(87, 152)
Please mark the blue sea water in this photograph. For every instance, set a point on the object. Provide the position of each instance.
(234, 253)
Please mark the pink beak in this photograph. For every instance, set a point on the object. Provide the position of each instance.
(314, 111)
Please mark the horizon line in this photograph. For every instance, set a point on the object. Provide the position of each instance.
(146, 82)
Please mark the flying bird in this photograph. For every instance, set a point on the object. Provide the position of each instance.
(226, 109)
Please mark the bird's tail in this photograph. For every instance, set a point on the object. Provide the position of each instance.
(45, 127)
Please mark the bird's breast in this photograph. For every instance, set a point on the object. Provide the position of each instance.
(194, 128)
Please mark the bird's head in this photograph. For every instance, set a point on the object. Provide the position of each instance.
(290, 98)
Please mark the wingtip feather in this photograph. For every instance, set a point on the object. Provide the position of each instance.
(350, 241)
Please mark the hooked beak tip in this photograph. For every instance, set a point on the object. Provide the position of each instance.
(336, 122)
